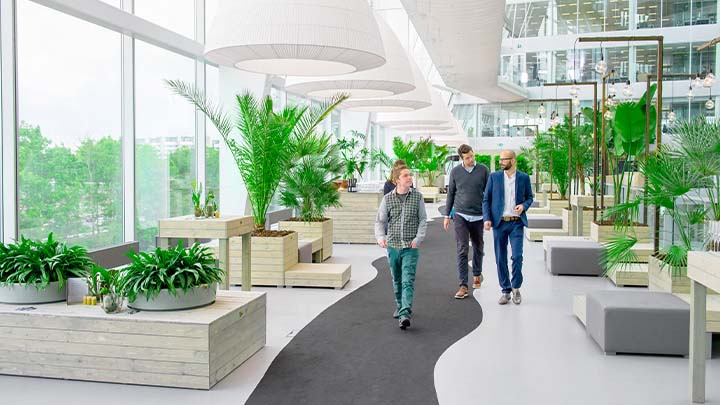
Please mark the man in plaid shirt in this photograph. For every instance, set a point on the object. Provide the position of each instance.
(402, 213)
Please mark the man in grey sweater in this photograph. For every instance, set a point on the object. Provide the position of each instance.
(465, 196)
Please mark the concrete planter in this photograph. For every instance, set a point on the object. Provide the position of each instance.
(28, 294)
(196, 297)
(313, 230)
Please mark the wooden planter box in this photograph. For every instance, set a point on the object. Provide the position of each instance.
(556, 206)
(430, 193)
(676, 281)
(188, 349)
(313, 230)
(271, 257)
(602, 233)
(635, 274)
(354, 222)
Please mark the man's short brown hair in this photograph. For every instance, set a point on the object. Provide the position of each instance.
(397, 170)
(463, 149)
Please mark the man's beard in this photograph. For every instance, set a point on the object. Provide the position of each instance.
(508, 167)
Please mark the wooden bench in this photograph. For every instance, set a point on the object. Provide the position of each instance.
(193, 348)
(334, 275)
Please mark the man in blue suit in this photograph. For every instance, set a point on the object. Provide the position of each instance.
(508, 196)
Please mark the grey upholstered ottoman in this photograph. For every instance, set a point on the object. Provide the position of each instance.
(305, 252)
(545, 221)
(638, 322)
(574, 258)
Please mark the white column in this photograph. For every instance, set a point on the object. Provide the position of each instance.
(9, 175)
(127, 131)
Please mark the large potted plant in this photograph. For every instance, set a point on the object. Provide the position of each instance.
(625, 144)
(354, 156)
(671, 185)
(36, 272)
(263, 153)
(170, 279)
(308, 188)
(698, 143)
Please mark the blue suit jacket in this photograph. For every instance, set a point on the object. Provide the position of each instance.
(494, 198)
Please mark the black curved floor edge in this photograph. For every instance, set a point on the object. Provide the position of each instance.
(354, 351)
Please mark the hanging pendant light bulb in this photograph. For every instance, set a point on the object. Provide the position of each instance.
(709, 79)
(690, 94)
(697, 82)
(601, 66)
(527, 115)
(710, 104)
(609, 114)
(671, 116)
(574, 90)
(610, 102)
(541, 109)
(576, 101)
(627, 90)
(612, 90)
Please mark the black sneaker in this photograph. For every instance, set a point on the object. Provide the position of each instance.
(404, 323)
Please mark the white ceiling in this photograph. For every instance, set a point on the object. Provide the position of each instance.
(463, 38)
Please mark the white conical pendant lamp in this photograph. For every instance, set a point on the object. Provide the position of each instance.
(423, 127)
(435, 114)
(295, 37)
(394, 77)
(410, 101)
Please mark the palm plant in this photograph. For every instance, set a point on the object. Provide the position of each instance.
(552, 152)
(431, 159)
(40, 263)
(264, 150)
(670, 181)
(308, 184)
(380, 158)
(698, 143)
(353, 154)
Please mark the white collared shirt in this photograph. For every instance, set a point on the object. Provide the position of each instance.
(509, 209)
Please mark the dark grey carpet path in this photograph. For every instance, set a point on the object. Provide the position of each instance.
(354, 352)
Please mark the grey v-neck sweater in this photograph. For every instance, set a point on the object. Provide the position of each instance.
(465, 190)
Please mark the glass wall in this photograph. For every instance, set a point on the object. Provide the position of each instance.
(165, 134)
(69, 153)
(527, 19)
(175, 15)
(566, 17)
(591, 17)
(466, 116)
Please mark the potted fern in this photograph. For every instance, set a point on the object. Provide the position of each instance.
(308, 188)
(263, 153)
(36, 272)
(170, 279)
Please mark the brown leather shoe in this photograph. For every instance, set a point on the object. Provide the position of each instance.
(477, 280)
(462, 293)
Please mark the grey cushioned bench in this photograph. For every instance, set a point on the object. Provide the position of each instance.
(638, 322)
(305, 252)
(574, 258)
(546, 221)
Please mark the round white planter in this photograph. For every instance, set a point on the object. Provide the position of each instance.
(28, 294)
(193, 298)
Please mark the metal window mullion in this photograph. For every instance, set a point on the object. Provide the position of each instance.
(200, 83)
(128, 129)
(9, 175)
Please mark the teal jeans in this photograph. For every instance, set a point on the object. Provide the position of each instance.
(402, 267)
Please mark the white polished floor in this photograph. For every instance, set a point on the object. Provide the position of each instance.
(535, 353)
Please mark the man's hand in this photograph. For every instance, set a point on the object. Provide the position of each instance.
(487, 225)
(413, 245)
(519, 209)
(446, 224)
(382, 243)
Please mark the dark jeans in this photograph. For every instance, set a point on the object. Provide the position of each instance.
(464, 232)
(512, 230)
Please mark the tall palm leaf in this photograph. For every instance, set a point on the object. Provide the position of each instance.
(267, 140)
